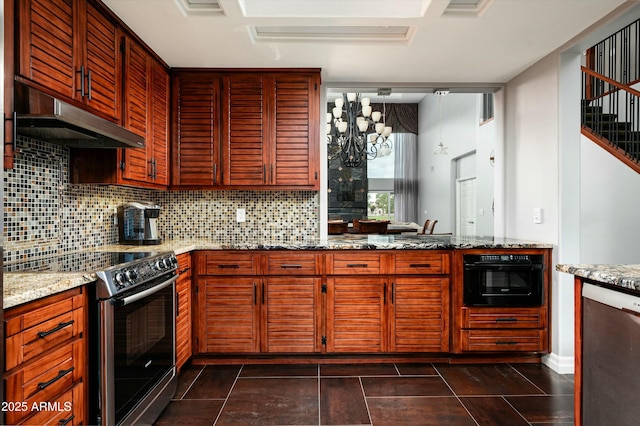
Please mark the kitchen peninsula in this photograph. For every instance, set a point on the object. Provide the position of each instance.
(607, 332)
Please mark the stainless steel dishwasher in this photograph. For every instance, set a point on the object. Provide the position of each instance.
(610, 357)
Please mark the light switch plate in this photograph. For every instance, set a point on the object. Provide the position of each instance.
(537, 215)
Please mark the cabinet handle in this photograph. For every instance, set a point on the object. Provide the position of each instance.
(384, 291)
(272, 174)
(81, 72)
(420, 265)
(66, 421)
(393, 293)
(506, 319)
(255, 294)
(89, 84)
(262, 294)
(177, 305)
(61, 374)
(357, 265)
(60, 326)
(264, 173)
(228, 266)
(215, 174)
(506, 342)
(290, 266)
(184, 270)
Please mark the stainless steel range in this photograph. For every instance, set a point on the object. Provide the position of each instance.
(135, 327)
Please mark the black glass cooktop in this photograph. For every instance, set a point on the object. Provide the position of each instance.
(83, 262)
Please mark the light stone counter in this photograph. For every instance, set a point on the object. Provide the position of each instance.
(625, 276)
(22, 287)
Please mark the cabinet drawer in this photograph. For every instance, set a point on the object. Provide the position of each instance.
(485, 340)
(184, 264)
(31, 334)
(421, 263)
(355, 264)
(212, 263)
(294, 263)
(44, 380)
(65, 410)
(503, 318)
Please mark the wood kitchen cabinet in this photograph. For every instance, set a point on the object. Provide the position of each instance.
(146, 112)
(195, 137)
(69, 48)
(184, 312)
(388, 302)
(258, 302)
(45, 360)
(499, 329)
(254, 129)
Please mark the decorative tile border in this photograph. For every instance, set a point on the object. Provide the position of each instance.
(44, 214)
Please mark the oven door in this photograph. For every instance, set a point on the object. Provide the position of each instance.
(503, 284)
(137, 350)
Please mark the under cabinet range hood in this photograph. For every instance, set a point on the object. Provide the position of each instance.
(41, 116)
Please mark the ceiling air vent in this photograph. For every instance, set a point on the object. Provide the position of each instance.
(333, 33)
(472, 8)
(199, 7)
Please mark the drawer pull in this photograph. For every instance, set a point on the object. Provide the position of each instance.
(506, 319)
(229, 266)
(506, 342)
(42, 334)
(420, 265)
(290, 266)
(357, 265)
(63, 422)
(61, 374)
(184, 270)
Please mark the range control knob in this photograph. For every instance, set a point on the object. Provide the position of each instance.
(132, 275)
(120, 279)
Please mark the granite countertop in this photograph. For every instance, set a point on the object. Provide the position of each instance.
(23, 287)
(625, 276)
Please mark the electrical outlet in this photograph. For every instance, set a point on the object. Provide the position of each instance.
(241, 215)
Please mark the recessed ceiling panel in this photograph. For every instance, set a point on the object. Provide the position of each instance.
(199, 7)
(334, 8)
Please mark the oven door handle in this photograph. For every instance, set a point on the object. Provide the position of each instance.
(145, 293)
(503, 266)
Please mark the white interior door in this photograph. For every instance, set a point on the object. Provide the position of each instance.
(466, 206)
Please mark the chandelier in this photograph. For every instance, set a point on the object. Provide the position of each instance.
(352, 124)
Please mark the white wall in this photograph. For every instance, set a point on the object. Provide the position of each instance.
(610, 208)
(462, 135)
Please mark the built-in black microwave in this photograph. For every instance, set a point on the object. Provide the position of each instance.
(503, 280)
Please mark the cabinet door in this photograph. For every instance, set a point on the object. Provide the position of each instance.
(158, 142)
(245, 131)
(295, 148)
(420, 314)
(136, 102)
(101, 62)
(196, 134)
(228, 312)
(183, 312)
(356, 318)
(47, 54)
(291, 314)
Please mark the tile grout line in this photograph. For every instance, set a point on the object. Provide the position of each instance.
(455, 394)
(193, 382)
(228, 395)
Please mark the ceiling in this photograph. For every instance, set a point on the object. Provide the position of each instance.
(366, 41)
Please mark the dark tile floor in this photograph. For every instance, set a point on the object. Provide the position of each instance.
(371, 394)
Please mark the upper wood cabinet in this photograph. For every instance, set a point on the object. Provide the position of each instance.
(195, 138)
(253, 130)
(70, 48)
(146, 112)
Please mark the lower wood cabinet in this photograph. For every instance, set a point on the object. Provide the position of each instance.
(184, 315)
(45, 360)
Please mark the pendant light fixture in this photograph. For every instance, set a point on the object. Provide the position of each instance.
(441, 149)
(350, 123)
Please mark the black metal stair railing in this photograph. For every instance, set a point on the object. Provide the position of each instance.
(611, 110)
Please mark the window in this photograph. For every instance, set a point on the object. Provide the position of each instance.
(487, 107)
(380, 197)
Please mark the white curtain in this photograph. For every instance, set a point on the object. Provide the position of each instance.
(405, 182)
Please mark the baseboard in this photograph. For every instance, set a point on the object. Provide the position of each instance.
(562, 365)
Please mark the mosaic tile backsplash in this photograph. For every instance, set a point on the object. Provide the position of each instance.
(44, 214)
